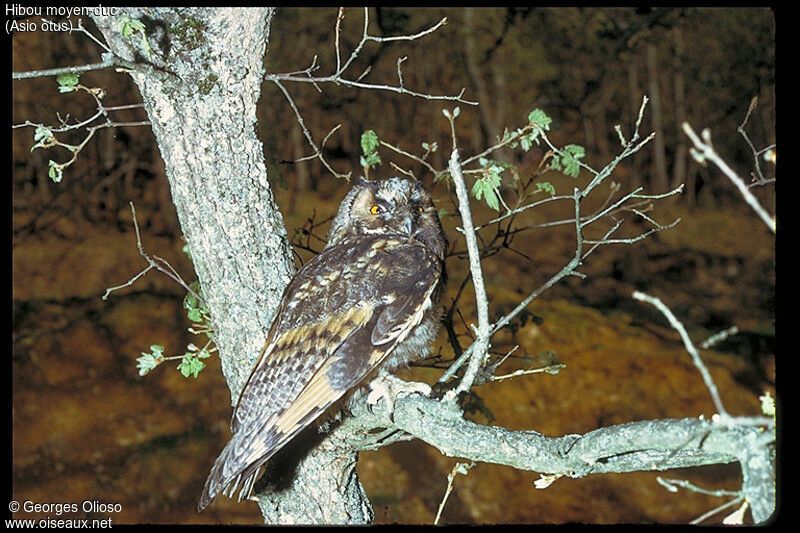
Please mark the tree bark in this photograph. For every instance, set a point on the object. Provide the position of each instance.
(200, 84)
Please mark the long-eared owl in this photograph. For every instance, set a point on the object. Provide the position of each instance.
(367, 302)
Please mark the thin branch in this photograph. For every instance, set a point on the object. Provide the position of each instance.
(703, 150)
(719, 337)
(570, 268)
(339, 18)
(672, 485)
(156, 262)
(687, 343)
(526, 371)
(756, 153)
(62, 70)
(337, 76)
(317, 152)
(410, 156)
(717, 510)
(82, 29)
(413, 37)
(631, 240)
(459, 468)
(481, 350)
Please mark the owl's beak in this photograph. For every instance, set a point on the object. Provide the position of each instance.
(408, 225)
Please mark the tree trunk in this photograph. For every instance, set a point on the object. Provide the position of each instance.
(200, 83)
(488, 123)
(682, 152)
(661, 183)
(635, 101)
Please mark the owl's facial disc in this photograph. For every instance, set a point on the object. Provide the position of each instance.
(395, 208)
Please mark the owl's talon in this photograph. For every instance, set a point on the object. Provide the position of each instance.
(389, 387)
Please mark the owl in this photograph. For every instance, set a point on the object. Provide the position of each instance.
(365, 305)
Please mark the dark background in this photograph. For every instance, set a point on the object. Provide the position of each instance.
(86, 426)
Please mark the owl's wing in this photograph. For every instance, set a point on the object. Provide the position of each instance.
(369, 306)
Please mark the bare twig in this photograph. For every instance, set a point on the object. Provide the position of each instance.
(459, 468)
(758, 177)
(410, 156)
(86, 32)
(569, 269)
(338, 76)
(716, 510)
(703, 150)
(152, 262)
(719, 337)
(687, 343)
(317, 152)
(672, 485)
(526, 371)
(62, 70)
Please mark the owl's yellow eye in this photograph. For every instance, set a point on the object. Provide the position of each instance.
(420, 209)
(377, 209)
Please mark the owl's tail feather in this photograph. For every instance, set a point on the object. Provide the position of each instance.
(225, 478)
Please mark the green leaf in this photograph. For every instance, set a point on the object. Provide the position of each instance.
(369, 142)
(67, 82)
(129, 26)
(68, 79)
(190, 365)
(148, 361)
(546, 187)
(55, 172)
(196, 310)
(157, 350)
(485, 188)
(369, 145)
(540, 118)
(566, 160)
(42, 133)
(492, 200)
(767, 404)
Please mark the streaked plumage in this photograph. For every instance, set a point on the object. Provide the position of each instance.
(368, 301)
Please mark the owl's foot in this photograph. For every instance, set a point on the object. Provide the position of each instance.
(389, 387)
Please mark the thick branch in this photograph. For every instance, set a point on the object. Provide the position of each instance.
(637, 446)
